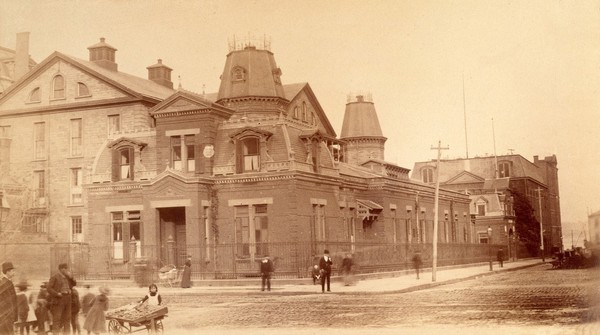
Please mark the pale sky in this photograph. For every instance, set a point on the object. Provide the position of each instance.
(532, 66)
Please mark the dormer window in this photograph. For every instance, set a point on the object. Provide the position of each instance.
(250, 154)
(58, 87)
(82, 90)
(250, 149)
(427, 174)
(238, 74)
(35, 95)
(123, 158)
(503, 169)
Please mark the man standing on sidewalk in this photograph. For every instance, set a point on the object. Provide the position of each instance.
(500, 257)
(8, 299)
(325, 268)
(266, 269)
(59, 288)
(417, 262)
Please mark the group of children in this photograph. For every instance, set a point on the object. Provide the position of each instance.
(34, 312)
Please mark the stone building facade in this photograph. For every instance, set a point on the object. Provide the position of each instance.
(130, 169)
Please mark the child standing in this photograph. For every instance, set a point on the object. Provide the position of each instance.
(95, 322)
(75, 307)
(22, 306)
(153, 298)
(86, 300)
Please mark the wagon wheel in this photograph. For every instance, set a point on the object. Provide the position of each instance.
(115, 327)
(158, 327)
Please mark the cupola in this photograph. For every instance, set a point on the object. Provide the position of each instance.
(250, 71)
(160, 74)
(103, 54)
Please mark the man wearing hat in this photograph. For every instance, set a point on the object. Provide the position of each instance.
(8, 299)
(325, 268)
(59, 290)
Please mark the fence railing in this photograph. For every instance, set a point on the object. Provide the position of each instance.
(236, 261)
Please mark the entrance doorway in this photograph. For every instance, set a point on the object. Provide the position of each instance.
(172, 227)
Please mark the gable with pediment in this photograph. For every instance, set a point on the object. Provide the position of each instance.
(305, 110)
(42, 79)
(181, 104)
(465, 177)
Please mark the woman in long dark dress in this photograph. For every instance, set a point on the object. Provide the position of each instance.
(95, 322)
(186, 279)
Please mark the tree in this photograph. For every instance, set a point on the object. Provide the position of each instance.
(527, 226)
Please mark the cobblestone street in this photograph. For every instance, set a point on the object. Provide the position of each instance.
(557, 300)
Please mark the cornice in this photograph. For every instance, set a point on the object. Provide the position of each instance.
(55, 109)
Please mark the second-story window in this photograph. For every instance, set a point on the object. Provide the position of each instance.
(39, 188)
(248, 155)
(76, 137)
(39, 140)
(122, 163)
(76, 189)
(178, 155)
(58, 87)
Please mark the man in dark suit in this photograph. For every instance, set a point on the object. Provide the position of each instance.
(8, 299)
(325, 264)
(266, 269)
(500, 257)
(59, 290)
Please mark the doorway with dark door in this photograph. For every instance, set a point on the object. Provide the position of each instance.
(172, 236)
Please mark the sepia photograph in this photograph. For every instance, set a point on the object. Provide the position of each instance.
(300, 167)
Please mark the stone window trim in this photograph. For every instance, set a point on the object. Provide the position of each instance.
(249, 133)
(118, 146)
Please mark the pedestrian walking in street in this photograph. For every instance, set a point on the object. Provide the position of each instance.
(95, 322)
(59, 290)
(186, 278)
(8, 300)
(417, 262)
(325, 264)
(153, 298)
(86, 300)
(347, 264)
(75, 309)
(500, 257)
(266, 270)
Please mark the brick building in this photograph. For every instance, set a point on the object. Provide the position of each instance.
(491, 183)
(128, 169)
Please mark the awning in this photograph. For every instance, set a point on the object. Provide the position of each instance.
(368, 208)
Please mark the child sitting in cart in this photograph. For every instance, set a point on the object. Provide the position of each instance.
(153, 298)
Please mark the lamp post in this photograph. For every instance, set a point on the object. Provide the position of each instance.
(489, 232)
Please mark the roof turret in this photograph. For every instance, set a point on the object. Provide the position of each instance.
(360, 118)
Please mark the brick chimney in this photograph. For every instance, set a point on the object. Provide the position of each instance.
(22, 55)
(160, 74)
(103, 54)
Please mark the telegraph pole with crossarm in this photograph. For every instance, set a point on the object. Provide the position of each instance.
(439, 149)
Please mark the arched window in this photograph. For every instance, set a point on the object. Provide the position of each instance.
(35, 95)
(58, 87)
(123, 164)
(304, 112)
(427, 174)
(296, 112)
(238, 74)
(82, 90)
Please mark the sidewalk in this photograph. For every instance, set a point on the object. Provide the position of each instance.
(389, 282)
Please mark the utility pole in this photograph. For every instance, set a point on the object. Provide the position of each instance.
(436, 207)
(539, 192)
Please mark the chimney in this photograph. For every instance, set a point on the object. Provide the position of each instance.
(103, 54)
(21, 55)
(160, 74)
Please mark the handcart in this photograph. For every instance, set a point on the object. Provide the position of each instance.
(125, 319)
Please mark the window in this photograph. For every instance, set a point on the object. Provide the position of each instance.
(251, 231)
(39, 140)
(238, 74)
(296, 112)
(35, 95)
(304, 112)
(76, 229)
(249, 160)
(76, 140)
(453, 230)
(122, 164)
(315, 155)
(503, 169)
(114, 124)
(76, 189)
(58, 86)
(126, 227)
(34, 224)
(421, 231)
(82, 90)
(483, 237)
(177, 155)
(39, 188)
(427, 174)
(409, 230)
(126, 159)
(481, 209)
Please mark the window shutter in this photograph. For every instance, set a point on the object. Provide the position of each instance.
(116, 166)
(239, 157)
(131, 164)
